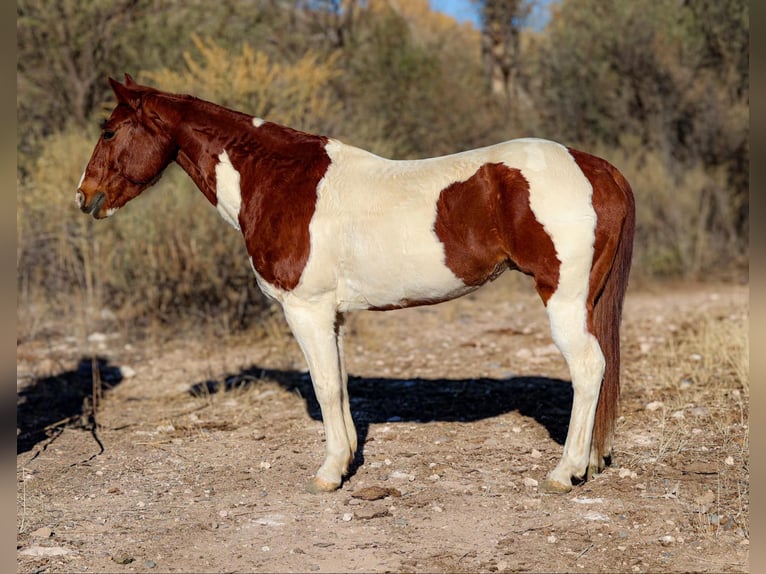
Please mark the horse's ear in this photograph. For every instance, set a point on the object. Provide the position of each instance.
(124, 94)
(129, 81)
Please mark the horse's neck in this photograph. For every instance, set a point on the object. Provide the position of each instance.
(205, 131)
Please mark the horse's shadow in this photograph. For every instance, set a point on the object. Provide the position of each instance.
(380, 400)
(49, 404)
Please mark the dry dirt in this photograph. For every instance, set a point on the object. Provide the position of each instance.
(200, 448)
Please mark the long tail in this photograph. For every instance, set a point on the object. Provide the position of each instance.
(607, 314)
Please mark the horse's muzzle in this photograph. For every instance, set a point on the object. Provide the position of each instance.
(94, 207)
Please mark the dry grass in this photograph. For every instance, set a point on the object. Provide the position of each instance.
(695, 406)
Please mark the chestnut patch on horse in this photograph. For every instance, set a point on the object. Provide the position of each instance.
(279, 181)
(487, 225)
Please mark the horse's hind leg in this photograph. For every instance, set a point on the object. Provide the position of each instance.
(568, 319)
(316, 328)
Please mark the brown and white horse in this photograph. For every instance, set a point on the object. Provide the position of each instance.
(331, 228)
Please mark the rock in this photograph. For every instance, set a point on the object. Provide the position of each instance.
(347, 517)
(654, 405)
(150, 564)
(667, 540)
(45, 551)
(127, 372)
(375, 492)
(529, 481)
(595, 516)
(370, 512)
(122, 558)
(43, 532)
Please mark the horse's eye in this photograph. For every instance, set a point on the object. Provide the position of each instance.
(108, 134)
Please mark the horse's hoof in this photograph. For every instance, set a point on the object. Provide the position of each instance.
(318, 485)
(550, 486)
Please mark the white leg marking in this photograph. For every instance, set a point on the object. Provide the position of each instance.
(228, 192)
(563, 205)
(314, 327)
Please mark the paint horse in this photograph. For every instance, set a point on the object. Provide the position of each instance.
(331, 228)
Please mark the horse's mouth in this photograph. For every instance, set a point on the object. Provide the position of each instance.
(95, 206)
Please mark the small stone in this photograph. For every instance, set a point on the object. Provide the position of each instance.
(667, 540)
(438, 508)
(595, 516)
(552, 539)
(699, 412)
(627, 473)
(223, 513)
(265, 465)
(347, 517)
(150, 564)
(368, 513)
(729, 461)
(375, 492)
(122, 558)
(536, 453)
(128, 373)
(45, 551)
(529, 481)
(654, 405)
(43, 532)
(695, 357)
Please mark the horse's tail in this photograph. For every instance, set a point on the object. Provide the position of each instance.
(607, 314)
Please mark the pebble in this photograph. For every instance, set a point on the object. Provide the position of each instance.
(595, 516)
(529, 481)
(122, 558)
(699, 412)
(43, 532)
(45, 551)
(347, 517)
(667, 540)
(150, 564)
(368, 513)
(536, 453)
(375, 492)
(127, 372)
(654, 405)
(402, 475)
(729, 461)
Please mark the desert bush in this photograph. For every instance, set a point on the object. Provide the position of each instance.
(685, 223)
(295, 94)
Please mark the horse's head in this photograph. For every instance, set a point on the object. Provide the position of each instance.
(130, 155)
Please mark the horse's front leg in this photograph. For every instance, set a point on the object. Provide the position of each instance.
(316, 328)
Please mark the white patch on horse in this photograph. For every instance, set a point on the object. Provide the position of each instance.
(227, 190)
(111, 211)
(258, 122)
(372, 237)
(82, 177)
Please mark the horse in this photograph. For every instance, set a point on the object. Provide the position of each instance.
(331, 228)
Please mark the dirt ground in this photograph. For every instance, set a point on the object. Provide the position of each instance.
(195, 453)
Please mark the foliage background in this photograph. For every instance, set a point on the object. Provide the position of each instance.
(658, 87)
